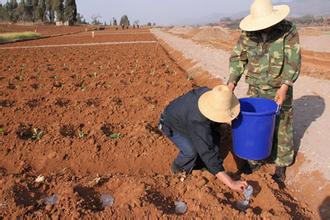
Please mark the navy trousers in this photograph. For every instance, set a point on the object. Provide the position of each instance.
(187, 156)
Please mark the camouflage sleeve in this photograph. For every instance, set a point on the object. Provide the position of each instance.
(238, 60)
(292, 59)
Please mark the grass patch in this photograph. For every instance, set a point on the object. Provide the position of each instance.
(9, 37)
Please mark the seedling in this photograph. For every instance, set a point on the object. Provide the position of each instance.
(38, 76)
(65, 67)
(11, 85)
(115, 136)
(54, 77)
(107, 85)
(81, 85)
(152, 72)
(58, 85)
(190, 78)
(2, 131)
(93, 74)
(19, 77)
(37, 134)
(81, 134)
(167, 69)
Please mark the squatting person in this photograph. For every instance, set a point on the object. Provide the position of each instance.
(268, 53)
(191, 121)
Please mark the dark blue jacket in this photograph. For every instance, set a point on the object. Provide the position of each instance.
(183, 116)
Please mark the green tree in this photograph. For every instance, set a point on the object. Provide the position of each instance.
(70, 11)
(114, 22)
(4, 15)
(11, 9)
(50, 10)
(80, 19)
(20, 11)
(13, 4)
(58, 8)
(35, 9)
(41, 11)
(124, 21)
(28, 10)
(96, 19)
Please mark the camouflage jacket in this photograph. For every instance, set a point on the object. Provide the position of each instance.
(267, 63)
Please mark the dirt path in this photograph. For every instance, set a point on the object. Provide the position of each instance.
(311, 127)
(316, 43)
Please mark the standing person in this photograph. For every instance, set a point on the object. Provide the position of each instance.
(268, 52)
(191, 123)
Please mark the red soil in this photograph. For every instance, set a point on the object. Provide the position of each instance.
(79, 96)
(42, 29)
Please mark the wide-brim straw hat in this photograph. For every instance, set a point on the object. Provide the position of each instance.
(219, 104)
(264, 15)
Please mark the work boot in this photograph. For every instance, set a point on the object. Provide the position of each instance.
(254, 165)
(279, 176)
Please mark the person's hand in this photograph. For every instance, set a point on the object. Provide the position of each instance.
(231, 86)
(281, 94)
(238, 186)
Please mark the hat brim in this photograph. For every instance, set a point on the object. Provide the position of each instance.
(249, 23)
(216, 115)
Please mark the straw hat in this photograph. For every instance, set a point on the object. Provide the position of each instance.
(219, 104)
(264, 15)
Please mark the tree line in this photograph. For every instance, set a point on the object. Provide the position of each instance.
(46, 11)
(301, 21)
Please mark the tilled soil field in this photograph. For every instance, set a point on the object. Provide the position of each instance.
(44, 30)
(82, 122)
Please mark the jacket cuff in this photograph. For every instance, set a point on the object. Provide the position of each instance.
(232, 79)
(215, 171)
(287, 82)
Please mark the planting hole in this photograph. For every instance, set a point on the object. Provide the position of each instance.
(35, 86)
(93, 102)
(24, 132)
(165, 204)
(107, 129)
(33, 103)
(7, 103)
(62, 102)
(117, 101)
(68, 131)
(90, 198)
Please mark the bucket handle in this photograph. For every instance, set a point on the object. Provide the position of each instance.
(278, 110)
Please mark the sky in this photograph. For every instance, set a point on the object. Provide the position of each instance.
(163, 12)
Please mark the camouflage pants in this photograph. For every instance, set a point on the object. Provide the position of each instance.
(283, 150)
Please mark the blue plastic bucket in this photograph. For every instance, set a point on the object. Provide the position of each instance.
(253, 129)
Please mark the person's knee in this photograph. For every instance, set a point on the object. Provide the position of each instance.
(190, 153)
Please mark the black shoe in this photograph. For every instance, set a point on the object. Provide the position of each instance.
(249, 168)
(279, 176)
(255, 166)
